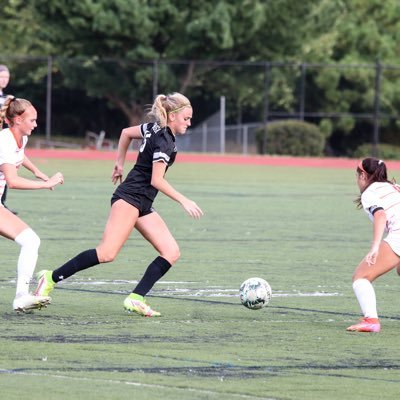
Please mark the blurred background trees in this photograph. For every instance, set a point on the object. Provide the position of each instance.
(110, 57)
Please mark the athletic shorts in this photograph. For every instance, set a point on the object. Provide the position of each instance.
(393, 240)
(142, 203)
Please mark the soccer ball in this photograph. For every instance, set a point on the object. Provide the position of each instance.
(255, 293)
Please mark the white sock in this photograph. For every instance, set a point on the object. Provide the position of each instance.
(29, 242)
(365, 294)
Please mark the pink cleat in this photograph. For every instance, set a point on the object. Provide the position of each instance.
(366, 325)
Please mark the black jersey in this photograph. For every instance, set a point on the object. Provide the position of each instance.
(158, 144)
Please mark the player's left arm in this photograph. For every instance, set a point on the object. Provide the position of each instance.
(29, 165)
(159, 182)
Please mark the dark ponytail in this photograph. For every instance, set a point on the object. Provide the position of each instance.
(375, 171)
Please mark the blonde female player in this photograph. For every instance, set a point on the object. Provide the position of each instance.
(21, 116)
(131, 203)
(380, 198)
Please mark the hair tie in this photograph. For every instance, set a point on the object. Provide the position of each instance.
(380, 162)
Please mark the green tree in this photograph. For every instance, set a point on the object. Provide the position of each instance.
(359, 33)
(118, 46)
(131, 33)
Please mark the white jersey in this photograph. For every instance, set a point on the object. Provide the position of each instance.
(383, 195)
(10, 153)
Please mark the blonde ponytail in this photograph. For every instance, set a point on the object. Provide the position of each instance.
(166, 104)
(12, 108)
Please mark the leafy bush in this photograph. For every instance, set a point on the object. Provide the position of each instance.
(385, 151)
(291, 137)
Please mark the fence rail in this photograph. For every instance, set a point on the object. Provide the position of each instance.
(51, 84)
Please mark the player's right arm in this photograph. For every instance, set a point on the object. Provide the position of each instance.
(127, 135)
(160, 183)
(29, 165)
(17, 182)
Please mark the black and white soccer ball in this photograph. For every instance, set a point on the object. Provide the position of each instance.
(255, 293)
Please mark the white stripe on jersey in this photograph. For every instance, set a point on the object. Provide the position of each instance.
(386, 196)
(160, 156)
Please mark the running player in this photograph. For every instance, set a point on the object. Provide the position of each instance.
(380, 198)
(131, 203)
(4, 81)
(21, 116)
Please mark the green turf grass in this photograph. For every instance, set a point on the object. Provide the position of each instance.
(295, 227)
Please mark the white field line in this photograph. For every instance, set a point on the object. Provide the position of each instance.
(133, 383)
(213, 291)
(235, 293)
(187, 291)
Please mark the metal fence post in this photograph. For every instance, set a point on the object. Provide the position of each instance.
(222, 124)
(245, 139)
(266, 107)
(204, 137)
(302, 90)
(375, 138)
(48, 98)
(155, 78)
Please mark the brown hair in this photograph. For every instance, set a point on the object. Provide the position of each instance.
(4, 68)
(12, 108)
(375, 170)
(167, 104)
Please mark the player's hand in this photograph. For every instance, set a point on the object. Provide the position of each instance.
(192, 208)
(56, 179)
(370, 258)
(117, 174)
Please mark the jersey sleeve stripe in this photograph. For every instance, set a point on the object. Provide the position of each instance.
(159, 156)
(143, 129)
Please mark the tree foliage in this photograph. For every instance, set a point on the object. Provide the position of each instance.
(112, 48)
(365, 36)
(144, 30)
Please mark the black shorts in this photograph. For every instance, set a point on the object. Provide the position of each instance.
(142, 203)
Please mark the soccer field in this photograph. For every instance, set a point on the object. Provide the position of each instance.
(296, 227)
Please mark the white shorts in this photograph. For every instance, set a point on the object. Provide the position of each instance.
(393, 240)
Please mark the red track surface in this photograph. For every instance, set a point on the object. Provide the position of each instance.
(210, 158)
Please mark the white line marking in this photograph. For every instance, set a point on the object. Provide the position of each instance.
(139, 384)
(211, 291)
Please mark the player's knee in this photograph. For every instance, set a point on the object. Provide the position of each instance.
(354, 277)
(363, 275)
(28, 239)
(106, 255)
(173, 255)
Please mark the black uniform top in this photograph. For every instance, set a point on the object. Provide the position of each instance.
(158, 144)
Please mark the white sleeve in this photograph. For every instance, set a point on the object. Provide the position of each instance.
(6, 151)
(370, 201)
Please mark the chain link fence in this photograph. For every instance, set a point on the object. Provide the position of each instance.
(354, 103)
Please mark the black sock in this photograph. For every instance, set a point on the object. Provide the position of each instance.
(84, 260)
(155, 271)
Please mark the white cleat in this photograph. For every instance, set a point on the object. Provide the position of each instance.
(29, 302)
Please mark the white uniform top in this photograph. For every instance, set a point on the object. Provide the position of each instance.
(10, 153)
(384, 195)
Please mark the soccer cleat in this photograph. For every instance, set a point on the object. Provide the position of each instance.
(29, 302)
(366, 325)
(45, 283)
(137, 304)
